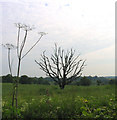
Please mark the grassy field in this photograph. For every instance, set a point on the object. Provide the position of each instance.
(74, 102)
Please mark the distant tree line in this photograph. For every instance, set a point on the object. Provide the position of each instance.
(24, 79)
(83, 81)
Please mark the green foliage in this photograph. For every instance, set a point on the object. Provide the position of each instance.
(24, 79)
(42, 81)
(85, 81)
(7, 79)
(27, 80)
(48, 81)
(112, 81)
(49, 102)
(99, 82)
(9, 112)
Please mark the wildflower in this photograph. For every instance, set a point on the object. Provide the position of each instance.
(50, 99)
(33, 99)
(85, 101)
(27, 27)
(24, 26)
(42, 100)
(58, 108)
(3, 103)
(104, 107)
(9, 46)
(111, 99)
(19, 25)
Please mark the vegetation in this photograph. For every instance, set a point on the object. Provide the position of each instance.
(84, 81)
(48, 101)
(24, 79)
(36, 98)
(63, 67)
(99, 82)
(20, 47)
(7, 79)
(112, 82)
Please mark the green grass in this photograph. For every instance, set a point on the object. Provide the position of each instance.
(44, 101)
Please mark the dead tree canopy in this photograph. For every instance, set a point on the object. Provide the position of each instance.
(63, 66)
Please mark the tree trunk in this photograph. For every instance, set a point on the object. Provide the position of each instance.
(62, 86)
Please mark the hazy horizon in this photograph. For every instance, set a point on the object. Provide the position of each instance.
(86, 26)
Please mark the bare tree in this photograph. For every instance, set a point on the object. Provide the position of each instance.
(63, 67)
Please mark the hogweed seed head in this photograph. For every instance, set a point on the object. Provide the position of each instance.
(19, 25)
(24, 26)
(42, 33)
(9, 46)
(28, 27)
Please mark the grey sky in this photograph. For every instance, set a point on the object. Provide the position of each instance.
(86, 26)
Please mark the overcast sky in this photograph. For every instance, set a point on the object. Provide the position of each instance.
(84, 25)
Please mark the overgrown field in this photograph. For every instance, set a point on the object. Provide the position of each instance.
(74, 102)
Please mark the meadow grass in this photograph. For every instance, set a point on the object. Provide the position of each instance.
(49, 101)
